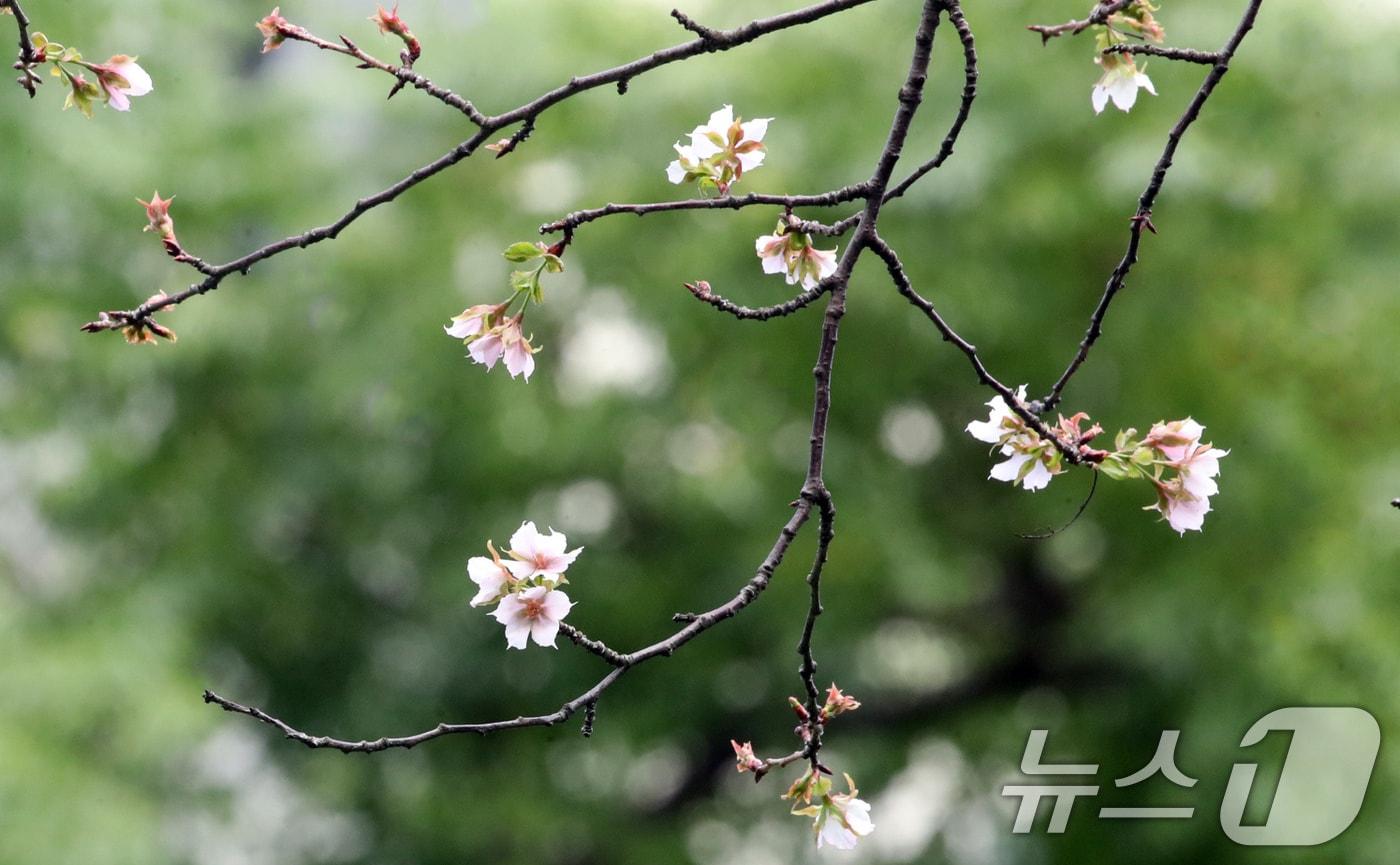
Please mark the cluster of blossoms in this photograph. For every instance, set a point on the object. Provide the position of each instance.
(1181, 467)
(789, 251)
(720, 152)
(113, 82)
(525, 585)
(490, 331)
(1121, 77)
(838, 819)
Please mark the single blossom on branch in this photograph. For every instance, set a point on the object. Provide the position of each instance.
(720, 152)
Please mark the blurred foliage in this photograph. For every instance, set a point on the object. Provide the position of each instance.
(280, 506)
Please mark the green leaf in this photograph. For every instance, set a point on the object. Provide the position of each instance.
(522, 251)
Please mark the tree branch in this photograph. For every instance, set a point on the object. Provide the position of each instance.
(1143, 218)
(720, 40)
(1190, 55)
(702, 292)
(1098, 15)
(751, 590)
(28, 59)
(906, 288)
(730, 202)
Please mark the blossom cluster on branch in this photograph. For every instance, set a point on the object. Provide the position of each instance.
(524, 584)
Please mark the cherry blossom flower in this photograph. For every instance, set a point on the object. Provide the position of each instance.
(1184, 501)
(720, 151)
(838, 703)
(543, 554)
(120, 78)
(791, 253)
(158, 213)
(843, 822)
(519, 353)
(839, 819)
(273, 28)
(1031, 461)
(744, 758)
(1120, 82)
(487, 348)
(473, 320)
(533, 614)
(494, 576)
(389, 23)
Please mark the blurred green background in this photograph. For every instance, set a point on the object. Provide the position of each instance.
(280, 506)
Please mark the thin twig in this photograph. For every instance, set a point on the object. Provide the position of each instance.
(1190, 55)
(905, 287)
(751, 590)
(722, 40)
(1098, 15)
(1142, 220)
(582, 640)
(728, 202)
(702, 292)
(28, 59)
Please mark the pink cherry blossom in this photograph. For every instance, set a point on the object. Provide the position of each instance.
(1185, 500)
(744, 758)
(519, 353)
(494, 577)
(487, 349)
(544, 554)
(472, 321)
(121, 78)
(792, 254)
(1184, 510)
(533, 614)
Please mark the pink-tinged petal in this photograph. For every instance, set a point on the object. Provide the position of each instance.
(557, 605)
(517, 357)
(117, 99)
(1100, 98)
(755, 129)
(1009, 470)
(462, 328)
(486, 350)
(519, 570)
(525, 541)
(544, 632)
(138, 81)
(775, 263)
(554, 543)
(517, 633)
(751, 160)
(510, 609)
(675, 172)
(489, 576)
(826, 262)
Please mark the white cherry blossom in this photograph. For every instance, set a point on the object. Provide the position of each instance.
(533, 614)
(543, 554)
